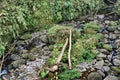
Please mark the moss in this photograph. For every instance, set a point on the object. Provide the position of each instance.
(70, 74)
(58, 34)
(91, 28)
(116, 69)
(26, 36)
(107, 47)
(112, 26)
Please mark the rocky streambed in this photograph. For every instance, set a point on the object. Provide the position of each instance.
(32, 50)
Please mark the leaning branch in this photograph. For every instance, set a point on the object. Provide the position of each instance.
(61, 54)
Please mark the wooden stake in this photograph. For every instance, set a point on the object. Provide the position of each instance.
(69, 51)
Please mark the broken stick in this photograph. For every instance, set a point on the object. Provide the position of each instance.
(61, 54)
(69, 51)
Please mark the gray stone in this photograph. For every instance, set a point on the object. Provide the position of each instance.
(108, 63)
(112, 36)
(109, 77)
(29, 56)
(14, 57)
(116, 62)
(99, 64)
(117, 32)
(94, 76)
(117, 42)
(101, 73)
(109, 57)
(101, 55)
(106, 68)
(17, 63)
(104, 51)
(100, 16)
(44, 38)
(6, 77)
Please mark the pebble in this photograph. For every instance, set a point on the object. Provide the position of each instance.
(14, 57)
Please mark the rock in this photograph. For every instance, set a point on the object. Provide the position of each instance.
(19, 62)
(112, 26)
(112, 36)
(109, 57)
(6, 77)
(23, 51)
(94, 76)
(117, 42)
(99, 64)
(101, 73)
(104, 51)
(100, 16)
(114, 46)
(116, 62)
(116, 69)
(108, 63)
(107, 47)
(29, 56)
(101, 55)
(117, 32)
(109, 77)
(14, 57)
(44, 38)
(26, 36)
(82, 67)
(106, 68)
(107, 22)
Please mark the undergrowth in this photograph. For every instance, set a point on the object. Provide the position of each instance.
(84, 45)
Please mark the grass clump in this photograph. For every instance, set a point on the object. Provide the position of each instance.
(69, 74)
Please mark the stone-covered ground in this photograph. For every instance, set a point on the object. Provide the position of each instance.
(32, 50)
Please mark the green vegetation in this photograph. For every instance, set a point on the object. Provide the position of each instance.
(69, 74)
(83, 46)
(67, 10)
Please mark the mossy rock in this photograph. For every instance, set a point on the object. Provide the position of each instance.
(112, 26)
(31, 57)
(116, 69)
(107, 47)
(94, 76)
(19, 62)
(91, 42)
(58, 34)
(91, 28)
(26, 36)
